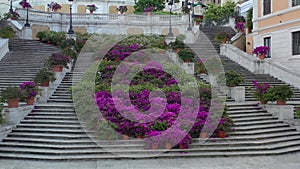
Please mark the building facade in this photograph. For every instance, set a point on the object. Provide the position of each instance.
(276, 23)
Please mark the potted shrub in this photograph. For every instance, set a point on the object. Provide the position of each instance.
(240, 26)
(222, 37)
(177, 45)
(260, 92)
(279, 93)
(186, 55)
(44, 76)
(57, 61)
(232, 78)
(197, 20)
(54, 6)
(122, 9)
(92, 8)
(261, 51)
(12, 95)
(25, 4)
(70, 53)
(199, 66)
(7, 32)
(225, 125)
(13, 16)
(29, 91)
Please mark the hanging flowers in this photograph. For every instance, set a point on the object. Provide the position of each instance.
(54, 6)
(25, 4)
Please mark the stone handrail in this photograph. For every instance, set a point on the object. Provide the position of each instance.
(255, 65)
(3, 47)
(101, 18)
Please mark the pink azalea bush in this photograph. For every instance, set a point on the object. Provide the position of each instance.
(261, 50)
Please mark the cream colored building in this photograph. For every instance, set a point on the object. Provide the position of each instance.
(276, 23)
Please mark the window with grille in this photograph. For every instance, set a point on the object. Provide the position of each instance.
(296, 43)
(295, 2)
(267, 7)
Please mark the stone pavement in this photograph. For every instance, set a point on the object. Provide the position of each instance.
(289, 161)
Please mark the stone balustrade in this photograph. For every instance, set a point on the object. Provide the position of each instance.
(3, 47)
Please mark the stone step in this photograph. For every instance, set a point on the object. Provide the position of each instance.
(47, 142)
(47, 121)
(57, 110)
(249, 115)
(49, 118)
(48, 130)
(51, 114)
(65, 126)
(263, 131)
(254, 123)
(55, 136)
(251, 111)
(258, 127)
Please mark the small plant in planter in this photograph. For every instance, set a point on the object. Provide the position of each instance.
(12, 95)
(57, 61)
(7, 32)
(44, 76)
(240, 26)
(177, 45)
(92, 8)
(261, 51)
(222, 37)
(70, 53)
(279, 93)
(13, 16)
(29, 91)
(197, 20)
(225, 125)
(186, 55)
(260, 92)
(199, 66)
(54, 6)
(232, 78)
(122, 9)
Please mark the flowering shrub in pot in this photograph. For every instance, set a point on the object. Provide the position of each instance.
(222, 37)
(279, 93)
(57, 61)
(186, 55)
(25, 4)
(232, 78)
(92, 8)
(29, 91)
(260, 92)
(261, 51)
(54, 6)
(240, 26)
(12, 95)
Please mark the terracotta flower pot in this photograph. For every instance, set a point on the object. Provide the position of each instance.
(263, 102)
(45, 84)
(30, 101)
(139, 137)
(262, 56)
(203, 135)
(182, 146)
(57, 68)
(91, 12)
(221, 134)
(168, 145)
(154, 146)
(177, 50)
(13, 103)
(280, 102)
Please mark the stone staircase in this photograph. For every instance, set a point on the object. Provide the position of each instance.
(23, 60)
(52, 132)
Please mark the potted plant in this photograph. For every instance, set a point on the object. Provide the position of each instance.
(261, 51)
(122, 9)
(280, 94)
(57, 61)
(260, 92)
(197, 20)
(225, 125)
(70, 53)
(7, 32)
(199, 66)
(25, 4)
(149, 10)
(177, 45)
(44, 76)
(92, 8)
(54, 6)
(29, 91)
(240, 26)
(186, 55)
(13, 16)
(222, 37)
(12, 95)
(232, 78)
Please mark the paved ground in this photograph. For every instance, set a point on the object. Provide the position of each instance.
(290, 161)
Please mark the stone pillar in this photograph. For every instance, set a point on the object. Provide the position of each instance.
(237, 93)
(189, 37)
(27, 33)
(15, 115)
(283, 112)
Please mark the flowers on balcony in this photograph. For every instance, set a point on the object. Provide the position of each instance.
(261, 51)
(92, 8)
(240, 26)
(122, 9)
(54, 6)
(25, 4)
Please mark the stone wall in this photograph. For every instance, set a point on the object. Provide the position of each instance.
(38, 28)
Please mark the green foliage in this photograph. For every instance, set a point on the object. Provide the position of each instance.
(281, 92)
(298, 113)
(232, 78)
(11, 93)
(222, 37)
(7, 32)
(177, 44)
(159, 126)
(146, 41)
(186, 55)
(68, 51)
(227, 122)
(218, 12)
(44, 75)
(249, 23)
(142, 4)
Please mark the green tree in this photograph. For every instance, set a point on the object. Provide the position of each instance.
(217, 12)
(142, 4)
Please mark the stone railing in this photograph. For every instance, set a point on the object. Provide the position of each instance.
(3, 47)
(56, 17)
(257, 66)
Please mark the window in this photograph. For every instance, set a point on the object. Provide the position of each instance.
(296, 43)
(295, 2)
(267, 7)
(267, 42)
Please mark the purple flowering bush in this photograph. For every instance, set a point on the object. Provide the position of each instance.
(240, 26)
(25, 4)
(260, 92)
(261, 50)
(54, 6)
(28, 89)
(149, 9)
(92, 7)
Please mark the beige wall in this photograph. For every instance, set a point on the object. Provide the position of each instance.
(240, 43)
(81, 9)
(249, 44)
(65, 8)
(112, 10)
(293, 15)
(280, 5)
(38, 28)
(281, 27)
(135, 31)
(41, 7)
(174, 30)
(79, 29)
